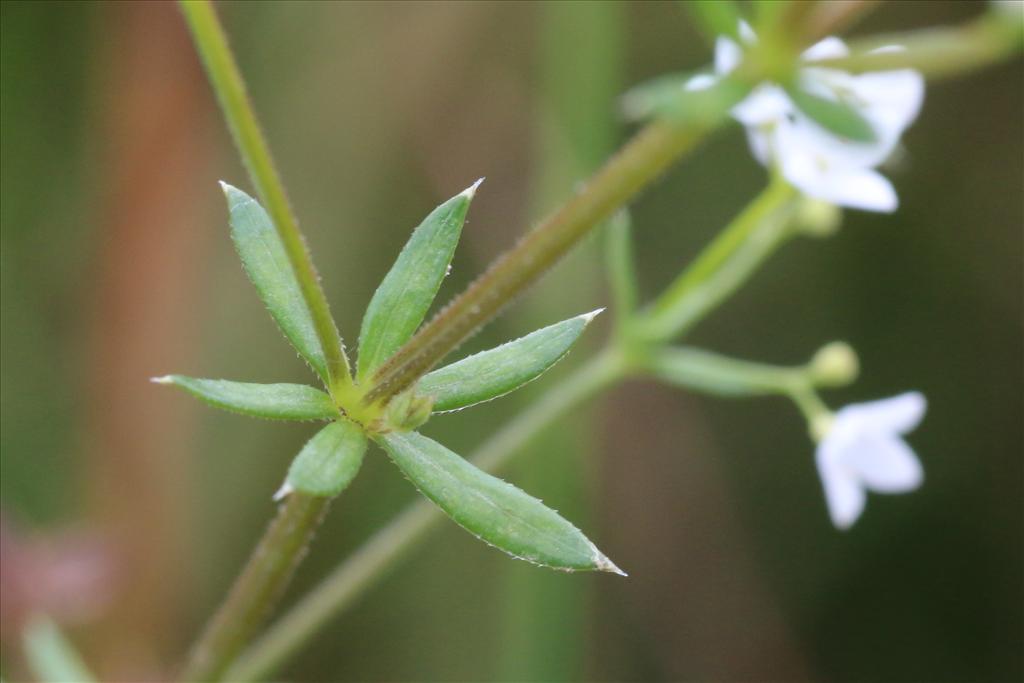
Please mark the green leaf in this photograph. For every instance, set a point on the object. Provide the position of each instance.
(50, 656)
(715, 18)
(496, 372)
(328, 461)
(490, 508)
(667, 97)
(266, 262)
(272, 401)
(404, 296)
(834, 116)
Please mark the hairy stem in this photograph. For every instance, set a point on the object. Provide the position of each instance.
(226, 79)
(257, 589)
(635, 166)
(386, 549)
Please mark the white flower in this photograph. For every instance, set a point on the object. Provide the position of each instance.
(862, 451)
(816, 161)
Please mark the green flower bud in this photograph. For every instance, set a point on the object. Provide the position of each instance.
(818, 218)
(834, 365)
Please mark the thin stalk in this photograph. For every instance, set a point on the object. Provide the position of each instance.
(723, 265)
(834, 16)
(634, 167)
(621, 269)
(226, 79)
(386, 549)
(717, 374)
(938, 52)
(257, 589)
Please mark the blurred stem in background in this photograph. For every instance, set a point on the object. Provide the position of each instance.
(544, 632)
(137, 479)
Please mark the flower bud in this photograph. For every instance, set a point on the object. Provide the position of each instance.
(407, 411)
(818, 218)
(834, 365)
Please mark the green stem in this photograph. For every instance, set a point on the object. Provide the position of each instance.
(634, 167)
(621, 269)
(723, 266)
(809, 403)
(257, 589)
(226, 79)
(938, 52)
(383, 552)
(717, 374)
(832, 17)
(713, 373)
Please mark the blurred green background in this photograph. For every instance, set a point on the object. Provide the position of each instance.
(128, 508)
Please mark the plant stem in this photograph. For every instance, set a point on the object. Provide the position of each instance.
(372, 561)
(723, 265)
(937, 52)
(621, 269)
(226, 79)
(717, 374)
(834, 16)
(635, 166)
(257, 589)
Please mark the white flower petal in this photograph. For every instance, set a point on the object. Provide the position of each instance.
(820, 177)
(828, 48)
(747, 34)
(727, 55)
(765, 104)
(760, 142)
(885, 465)
(896, 415)
(893, 99)
(826, 143)
(843, 494)
(700, 82)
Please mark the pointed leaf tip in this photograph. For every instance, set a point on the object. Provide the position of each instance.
(270, 401)
(493, 510)
(405, 294)
(498, 371)
(470, 191)
(283, 492)
(603, 564)
(588, 317)
(268, 266)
